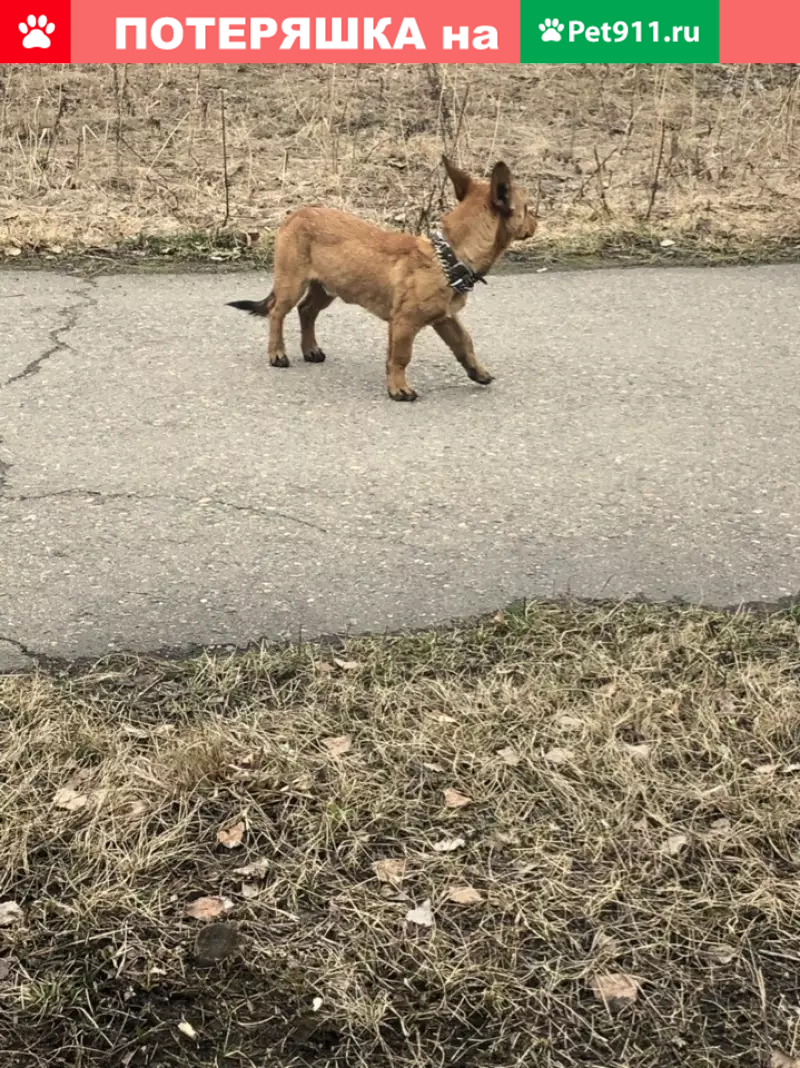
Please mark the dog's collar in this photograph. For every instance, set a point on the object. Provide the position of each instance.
(459, 275)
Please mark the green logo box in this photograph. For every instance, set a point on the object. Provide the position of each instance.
(619, 31)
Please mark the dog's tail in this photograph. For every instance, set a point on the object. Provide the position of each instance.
(255, 307)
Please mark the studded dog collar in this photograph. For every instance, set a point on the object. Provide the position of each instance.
(459, 275)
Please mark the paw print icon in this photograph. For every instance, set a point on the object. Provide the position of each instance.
(37, 33)
(551, 29)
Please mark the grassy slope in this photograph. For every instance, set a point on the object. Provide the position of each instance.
(645, 821)
(128, 161)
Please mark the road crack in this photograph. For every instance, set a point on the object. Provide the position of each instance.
(247, 509)
(71, 316)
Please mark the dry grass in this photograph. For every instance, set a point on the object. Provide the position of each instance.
(665, 722)
(99, 155)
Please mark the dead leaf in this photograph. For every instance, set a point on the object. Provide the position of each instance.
(422, 916)
(454, 799)
(390, 871)
(11, 250)
(721, 954)
(433, 767)
(465, 895)
(499, 618)
(136, 808)
(347, 665)
(569, 721)
(442, 718)
(448, 845)
(509, 756)
(667, 242)
(338, 746)
(10, 913)
(187, 1029)
(231, 837)
(558, 756)
(638, 752)
(674, 844)
(504, 838)
(323, 667)
(766, 769)
(249, 891)
(208, 908)
(616, 988)
(69, 799)
(134, 732)
(779, 1059)
(258, 869)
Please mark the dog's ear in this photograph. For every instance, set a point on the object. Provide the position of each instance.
(501, 189)
(460, 179)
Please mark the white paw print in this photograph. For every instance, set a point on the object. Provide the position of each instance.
(36, 36)
(551, 29)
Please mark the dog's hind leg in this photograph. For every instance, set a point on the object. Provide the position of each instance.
(317, 299)
(287, 294)
(459, 342)
(401, 342)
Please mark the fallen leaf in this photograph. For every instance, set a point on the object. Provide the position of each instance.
(10, 912)
(250, 890)
(721, 954)
(504, 838)
(558, 756)
(347, 665)
(442, 718)
(433, 767)
(231, 837)
(454, 799)
(208, 908)
(11, 250)
(448, 845)
(257, 869)
(779, 1059)
(69, 799)
(134, 732)
(422, 916)
(338, 746)
(187, 1029)
(499, 617)
(136, 808)
(464, 895)
(58, 249)
(324, 668)
(674, 844)
(766, 769)
(390, 871)
(638, 752)
(569, 721)
(509, 756)
(616, 988)
(667, 242)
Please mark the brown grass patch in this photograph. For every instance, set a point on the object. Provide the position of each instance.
(619, 886)
(99, 156)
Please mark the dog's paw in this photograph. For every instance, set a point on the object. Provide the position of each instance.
(404, 394)
(279, 361)
(314, 356)
(483, 378)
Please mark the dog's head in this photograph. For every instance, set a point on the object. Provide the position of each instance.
(500, 195)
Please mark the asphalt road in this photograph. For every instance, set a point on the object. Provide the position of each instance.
(162, 487)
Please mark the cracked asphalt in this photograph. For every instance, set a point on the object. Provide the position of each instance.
(161, 487)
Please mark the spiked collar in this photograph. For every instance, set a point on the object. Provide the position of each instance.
(460, 276)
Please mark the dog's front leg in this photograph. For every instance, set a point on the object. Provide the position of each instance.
(459, 342)
(401, 343)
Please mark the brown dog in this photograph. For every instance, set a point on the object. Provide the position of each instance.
(409, 282)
